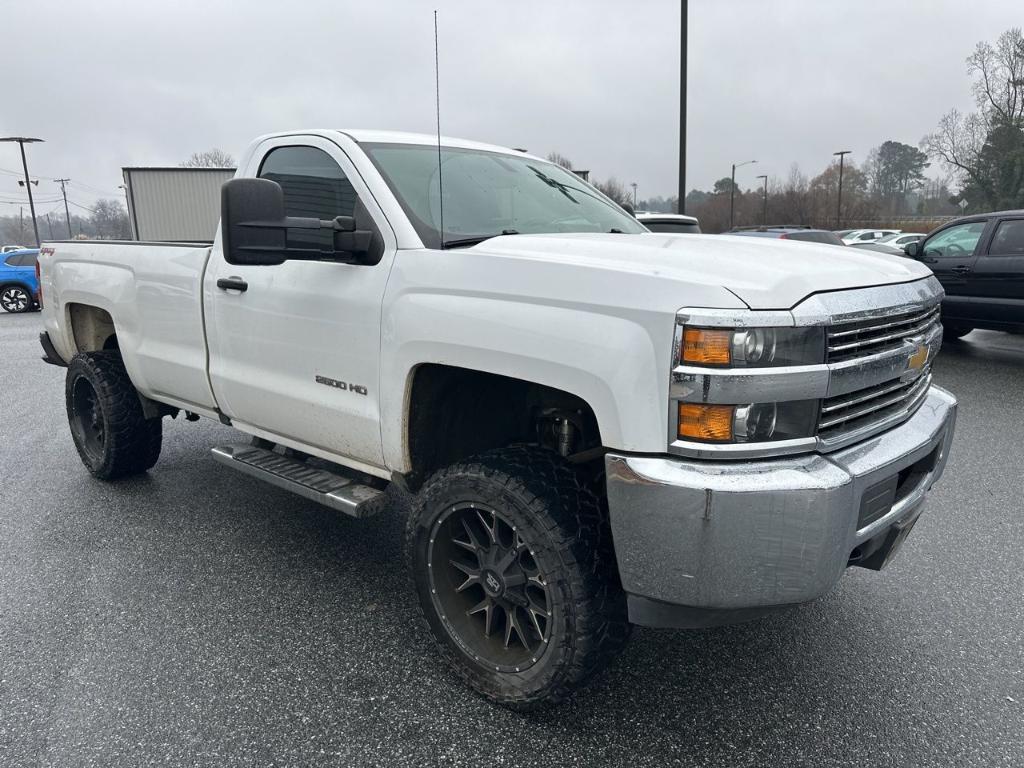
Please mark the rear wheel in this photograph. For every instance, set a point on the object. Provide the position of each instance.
(512, 561)
(955, 332)
(113, 437)
(14, 298)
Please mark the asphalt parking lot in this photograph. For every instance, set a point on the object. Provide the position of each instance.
(196, 617)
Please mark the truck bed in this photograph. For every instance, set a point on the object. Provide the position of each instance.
(153, 290)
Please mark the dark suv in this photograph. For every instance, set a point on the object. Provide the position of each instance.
(980, 262)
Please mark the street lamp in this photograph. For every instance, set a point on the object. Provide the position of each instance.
(684, 16)
(839, 197)
(764, 214)
(732, 189)
(22, 141)
(633, 185)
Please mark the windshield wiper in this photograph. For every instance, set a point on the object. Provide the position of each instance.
(465, 242)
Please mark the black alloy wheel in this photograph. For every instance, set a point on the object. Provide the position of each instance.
(511, 557)
(112, 434)
(485, 582)
(85, 417)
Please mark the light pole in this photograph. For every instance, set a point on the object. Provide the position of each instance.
(22, 141)
(732, 189)
(764, 213)
(684, 15)
(633, 185)
(839, 197)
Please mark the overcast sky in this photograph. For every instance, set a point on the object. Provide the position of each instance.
(110, 84)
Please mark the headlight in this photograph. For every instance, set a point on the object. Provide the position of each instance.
(746, 423)
(752, 347)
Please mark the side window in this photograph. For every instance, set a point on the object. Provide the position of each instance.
(28, 260)
(314, 186)
(955, 242)
(1009, 239)
(11, 261)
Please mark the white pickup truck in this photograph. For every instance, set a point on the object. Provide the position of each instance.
(601, 425)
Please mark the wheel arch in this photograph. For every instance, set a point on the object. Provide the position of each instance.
(451, 413)
(91, 328)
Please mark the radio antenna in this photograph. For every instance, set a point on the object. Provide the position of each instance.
(437, 96)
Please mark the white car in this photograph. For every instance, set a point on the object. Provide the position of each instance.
(900, 239)
(669, 223)
(600, 425)
(867, 235)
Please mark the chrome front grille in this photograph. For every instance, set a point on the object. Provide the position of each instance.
(865, 407)
(848, 341)
(877, 340)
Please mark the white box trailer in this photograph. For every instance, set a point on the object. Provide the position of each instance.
(175, 204)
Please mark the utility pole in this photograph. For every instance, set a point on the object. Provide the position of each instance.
(839, 200)
(49, 226)
(764, 213)
(67, 213)
(22, 141)
(633, 185)
(732, 189)
(684, 14)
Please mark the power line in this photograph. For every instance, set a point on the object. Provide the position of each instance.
(83, 207)
(19, 174)
(22, 200)
(91, 188)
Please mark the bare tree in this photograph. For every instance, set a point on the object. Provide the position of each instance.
(999, 72)
(978, 147)
(211, 158)
(110, 220)
(616, 190)
(559, 159)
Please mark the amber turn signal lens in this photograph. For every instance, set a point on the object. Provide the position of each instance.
(706, 347)
(705, 422)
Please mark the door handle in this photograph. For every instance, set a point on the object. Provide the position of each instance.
(962, 269)
(232, 284)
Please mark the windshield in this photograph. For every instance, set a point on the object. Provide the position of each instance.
(489, 193)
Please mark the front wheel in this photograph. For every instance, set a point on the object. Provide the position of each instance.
(14, 298)
(512, 561)
(112, 435)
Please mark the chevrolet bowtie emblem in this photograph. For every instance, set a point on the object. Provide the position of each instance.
(918, 359)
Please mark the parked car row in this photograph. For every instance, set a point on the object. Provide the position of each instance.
(19, 284)
(978, 259)
(791, 232)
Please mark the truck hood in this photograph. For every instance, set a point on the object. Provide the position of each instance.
(764, 273)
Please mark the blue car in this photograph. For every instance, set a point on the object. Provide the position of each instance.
(19, 287)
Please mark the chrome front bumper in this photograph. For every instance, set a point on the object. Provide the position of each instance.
(706, 542)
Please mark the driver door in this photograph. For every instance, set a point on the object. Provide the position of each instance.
(951, 255)
(295, 353)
